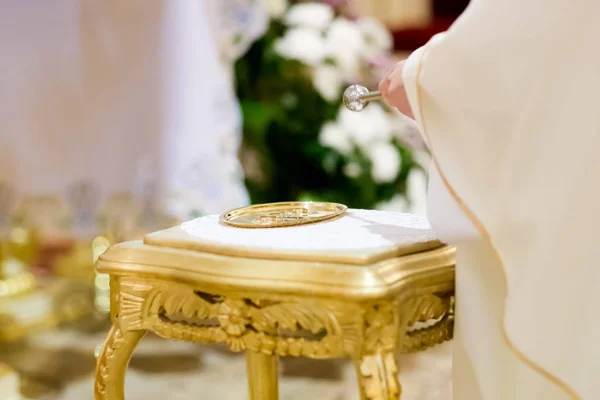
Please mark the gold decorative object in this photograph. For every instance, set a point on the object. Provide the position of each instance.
(17, 251)
(59, 235)
(363, 305)
(26, 305)
(53, 302)
(19, 283)
(276, 215)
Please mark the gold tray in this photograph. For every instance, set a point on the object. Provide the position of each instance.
(277, 215)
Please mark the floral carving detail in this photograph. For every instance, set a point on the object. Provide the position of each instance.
(233, 317)
(175, 311)
(381, 327)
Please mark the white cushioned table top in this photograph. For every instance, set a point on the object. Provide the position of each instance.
(358, 233)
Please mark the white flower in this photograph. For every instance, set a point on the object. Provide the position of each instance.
(275, 8)
(376, 36)
(333, 135)
(328, 82)
(345, 44)
(385, 160)
(352, 169)
(380, 120)
(371, 125)
(309, 15)
(303, 45)
(345, 34)
(357, 127)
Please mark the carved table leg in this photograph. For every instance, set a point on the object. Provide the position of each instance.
(113, 362)
(378, 377)
(262, 371)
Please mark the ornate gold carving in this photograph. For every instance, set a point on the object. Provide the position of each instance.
(273, 325)
(421, 339)
(312, 328)
(176, 311)
(113, 343)
(234, 317)
(381, 327)
(378, 377)
(438, 312)
(112, 363)
(425, 308)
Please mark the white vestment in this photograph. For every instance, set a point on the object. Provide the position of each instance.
(125, 95)
(507, 101)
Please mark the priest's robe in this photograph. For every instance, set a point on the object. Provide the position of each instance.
(507, 102)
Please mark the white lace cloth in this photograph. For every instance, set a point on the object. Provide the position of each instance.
(356, 230)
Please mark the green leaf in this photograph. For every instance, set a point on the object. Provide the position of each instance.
(257, 117)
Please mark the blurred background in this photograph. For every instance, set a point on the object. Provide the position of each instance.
(119, 118)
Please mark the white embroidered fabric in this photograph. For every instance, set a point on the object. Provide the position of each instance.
(356, 230)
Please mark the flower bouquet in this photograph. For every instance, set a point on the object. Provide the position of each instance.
(300, 143)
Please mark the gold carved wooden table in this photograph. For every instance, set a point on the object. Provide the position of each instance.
(366, 286)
